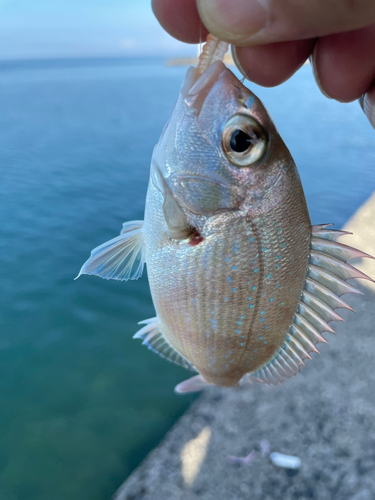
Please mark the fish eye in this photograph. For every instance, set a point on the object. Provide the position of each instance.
(243, 140)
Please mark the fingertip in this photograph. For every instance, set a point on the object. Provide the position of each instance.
(180, 19)
(316, 73)
(234, 21)
(272, 64)
(367, 103)
(344, 65)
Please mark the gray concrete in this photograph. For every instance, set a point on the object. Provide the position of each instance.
(325, 415)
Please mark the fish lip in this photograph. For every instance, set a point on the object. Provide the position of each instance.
(194, 92)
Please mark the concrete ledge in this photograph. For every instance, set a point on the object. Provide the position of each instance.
(325, 415)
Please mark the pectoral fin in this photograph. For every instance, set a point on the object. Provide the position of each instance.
(121, 258)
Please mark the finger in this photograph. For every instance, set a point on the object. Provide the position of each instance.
(180, 19)
(272, 64)
(254, 22)
(344, 64)
(367, 102)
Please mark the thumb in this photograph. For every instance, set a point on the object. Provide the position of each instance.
(254, 22)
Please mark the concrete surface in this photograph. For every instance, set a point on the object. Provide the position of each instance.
(325, 415)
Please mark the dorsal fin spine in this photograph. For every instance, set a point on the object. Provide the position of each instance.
(325, 283)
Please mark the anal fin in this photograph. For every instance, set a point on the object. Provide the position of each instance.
(154, 339)
(121, 258)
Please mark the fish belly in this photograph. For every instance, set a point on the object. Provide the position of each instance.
(226, 303)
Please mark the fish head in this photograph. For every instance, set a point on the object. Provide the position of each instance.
(220, 150)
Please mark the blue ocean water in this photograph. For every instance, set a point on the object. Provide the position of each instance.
(81, 403)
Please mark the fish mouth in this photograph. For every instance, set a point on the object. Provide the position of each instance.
(199, 81)
(195, 90)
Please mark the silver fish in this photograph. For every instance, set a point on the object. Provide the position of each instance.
(243, 285)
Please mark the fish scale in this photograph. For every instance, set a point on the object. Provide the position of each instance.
(243, 286)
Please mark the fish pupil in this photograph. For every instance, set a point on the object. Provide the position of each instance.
(239, 141)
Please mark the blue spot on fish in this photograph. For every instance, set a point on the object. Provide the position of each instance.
(255, 270)
(226, 299)
(235, 289)
(262, 312)
(234, 267)
(251, 306)
(271, 299)
(260, 338)
(254, 287)
(239, 322)
(229, 279)
(250, 298)
(268, 276)
(251, 239)
(241, 343)
(262, 319)
(278, 266)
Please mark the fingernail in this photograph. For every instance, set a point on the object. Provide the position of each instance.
(235, 20)
(312, 60)
(367, 103)
(236, 62)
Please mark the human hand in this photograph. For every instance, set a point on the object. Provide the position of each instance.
(273, 38)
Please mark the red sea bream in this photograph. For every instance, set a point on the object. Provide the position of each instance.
(243, 285)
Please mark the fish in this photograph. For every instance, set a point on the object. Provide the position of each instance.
(243, 285)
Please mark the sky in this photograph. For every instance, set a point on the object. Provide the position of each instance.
(33, 29)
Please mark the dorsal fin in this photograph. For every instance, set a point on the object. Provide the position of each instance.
(325, 283)
(154, 339)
